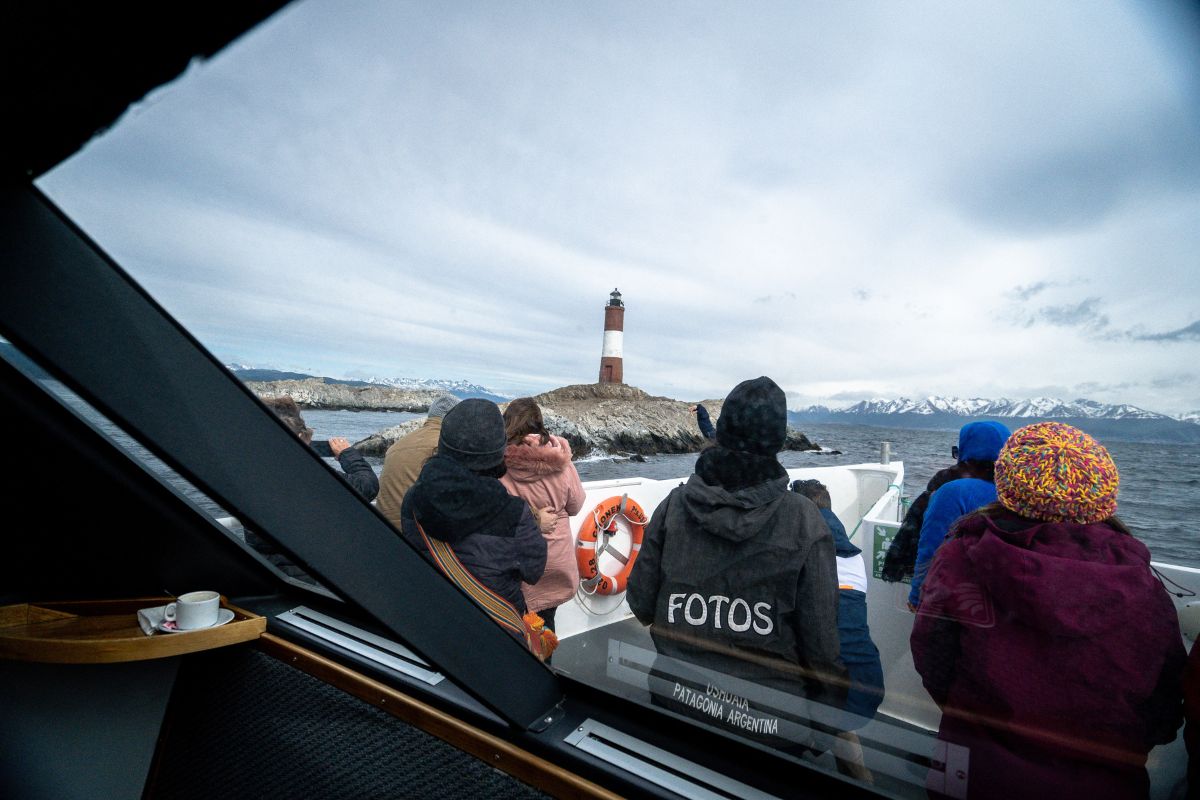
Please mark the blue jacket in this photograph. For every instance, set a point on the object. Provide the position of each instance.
(858, 653)
(705, 422)
(841, 542)
(948, 503)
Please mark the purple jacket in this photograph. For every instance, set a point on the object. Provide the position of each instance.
(1054, 653)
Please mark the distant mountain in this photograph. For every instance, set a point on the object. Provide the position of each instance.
(1039, 407)
(460, 389)
(252, 374)
(1190, 416)
(1120, 421)
(463, 389)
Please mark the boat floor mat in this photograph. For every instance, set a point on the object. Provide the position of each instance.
(242, 724)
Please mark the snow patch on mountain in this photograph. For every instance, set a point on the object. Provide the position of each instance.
(446, 385)
(1034, 407)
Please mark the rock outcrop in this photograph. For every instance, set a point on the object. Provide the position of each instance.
(615, 418)
(610, 418)
(316, 393)
(377, 443)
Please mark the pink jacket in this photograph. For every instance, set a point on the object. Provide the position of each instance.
(543, 475)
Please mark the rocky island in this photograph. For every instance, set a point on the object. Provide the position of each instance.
(608, 418)
(319, 393)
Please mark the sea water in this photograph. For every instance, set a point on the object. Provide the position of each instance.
(1158, 481)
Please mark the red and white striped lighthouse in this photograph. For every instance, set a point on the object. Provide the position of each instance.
(614, 329)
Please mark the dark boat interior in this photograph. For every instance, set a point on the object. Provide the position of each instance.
(385, 681)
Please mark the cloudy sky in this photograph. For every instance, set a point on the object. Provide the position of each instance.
(857, 199)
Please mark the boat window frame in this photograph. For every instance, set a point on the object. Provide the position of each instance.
(15, 366)
(203, 422)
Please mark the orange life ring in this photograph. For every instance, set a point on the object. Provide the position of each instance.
(598, 527)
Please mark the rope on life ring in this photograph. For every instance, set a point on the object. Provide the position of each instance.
(594, 538)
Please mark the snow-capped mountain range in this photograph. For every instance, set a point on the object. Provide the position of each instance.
(454, 387)
(1115, 421)
(1036, 407)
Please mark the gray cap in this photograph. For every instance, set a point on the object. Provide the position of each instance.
(473, 435)
(442, 404)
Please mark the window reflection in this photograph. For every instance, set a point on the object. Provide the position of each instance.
(1019, 636)
(269, 553)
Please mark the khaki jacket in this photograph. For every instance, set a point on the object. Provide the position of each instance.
(402, 464)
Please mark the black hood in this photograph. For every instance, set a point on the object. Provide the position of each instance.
(733, 469)
(451, 502)
(735, 515)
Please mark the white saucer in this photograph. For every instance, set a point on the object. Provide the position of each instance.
(223, 615)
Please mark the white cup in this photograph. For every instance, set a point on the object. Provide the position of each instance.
(194, 610)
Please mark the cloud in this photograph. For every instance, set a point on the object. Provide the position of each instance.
(1083, 315)
(1088, 388)
(1174, 381)
(776, 298)
(1038, 188)
(452, 190)
(856, 396)
(1024, 293)
(1188, 333)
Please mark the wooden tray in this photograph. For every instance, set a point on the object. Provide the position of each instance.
(107, 631)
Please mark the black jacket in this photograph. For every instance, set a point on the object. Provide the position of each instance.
(359, 473)
(493, 533)
(900, 560)
(743, 582)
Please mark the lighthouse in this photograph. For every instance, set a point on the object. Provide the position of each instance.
(614, 327)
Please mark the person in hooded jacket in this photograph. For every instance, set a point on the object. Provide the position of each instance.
(1191, 715)
(704, 422)
(858, 652)
(539, 471)
(403, 460)
(737, 575)
(355, 469)
(979, 445)
(1044, 636)
(458, 499)
(900, 560)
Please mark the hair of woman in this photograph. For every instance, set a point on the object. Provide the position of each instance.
(523, 417)
(286, 409)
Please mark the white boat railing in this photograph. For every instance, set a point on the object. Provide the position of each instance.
(858, 491)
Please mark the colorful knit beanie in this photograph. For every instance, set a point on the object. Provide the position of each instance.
(1051, 471)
